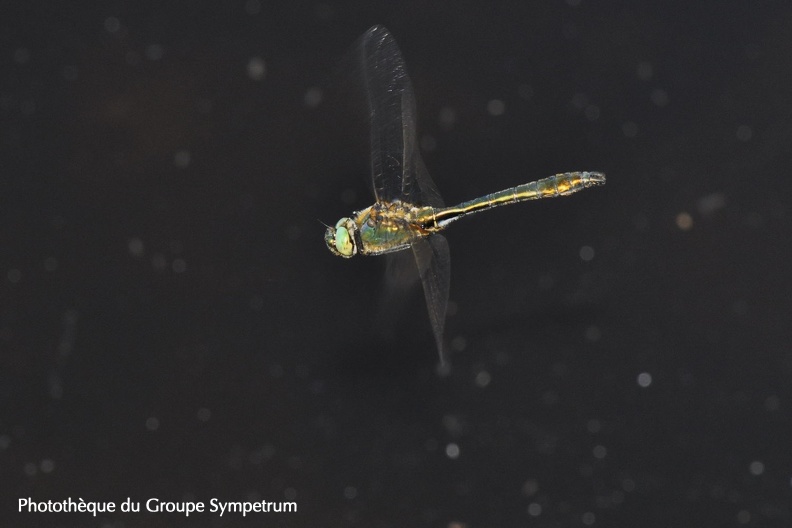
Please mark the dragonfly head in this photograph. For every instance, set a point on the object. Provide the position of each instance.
(340, 239)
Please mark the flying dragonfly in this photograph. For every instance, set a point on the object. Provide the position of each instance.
(408, 213)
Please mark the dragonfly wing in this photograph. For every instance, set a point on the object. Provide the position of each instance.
(397, 170)
(427, 190)
(400, 277)
(434, 267)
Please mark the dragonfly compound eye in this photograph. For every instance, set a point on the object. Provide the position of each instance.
(340, 239)
(343, 242)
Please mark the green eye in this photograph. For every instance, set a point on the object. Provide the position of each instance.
(343, 242)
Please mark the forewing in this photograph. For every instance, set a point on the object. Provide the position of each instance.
(397, 171)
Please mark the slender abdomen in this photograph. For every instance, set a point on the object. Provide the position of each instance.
(557, 185)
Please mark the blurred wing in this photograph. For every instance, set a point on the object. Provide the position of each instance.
(400, 277)
(434, 267)
(397, 171)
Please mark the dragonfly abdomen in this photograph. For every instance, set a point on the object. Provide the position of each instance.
(557, 185)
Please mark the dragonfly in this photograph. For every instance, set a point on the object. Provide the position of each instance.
(408, 213)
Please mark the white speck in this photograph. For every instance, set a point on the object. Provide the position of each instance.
(593, 333)
(644, 71)
(644, 379)
(350, 492)
(586, 253)
(592, 112)
(483, 379)
(629, 129)
(756, 468)
(21, 55)
(711, 203)
(204, 414)
(588, 518)
(447, 117)
(154, 52)
(112, 25)
(14, 276)
(684, 221)
(179, 265)
(772, 403)
(47, 465)
(534, 509)
(580, 101)
(452, 424)
(452, 451)
(594, 426)
(313, 97)
(182, 158)
(135, 246)
(530, 487)
(743, 517)
(600, 452)
(256, 68)
(659, 97)
(152, 424)
(744, 133)
(496, 107)
(252, 7)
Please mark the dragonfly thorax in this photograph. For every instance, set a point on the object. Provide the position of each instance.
(341, 239)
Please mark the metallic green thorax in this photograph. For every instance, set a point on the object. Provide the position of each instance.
(387, 227)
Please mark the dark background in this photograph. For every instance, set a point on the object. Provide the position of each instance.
(172, 325)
